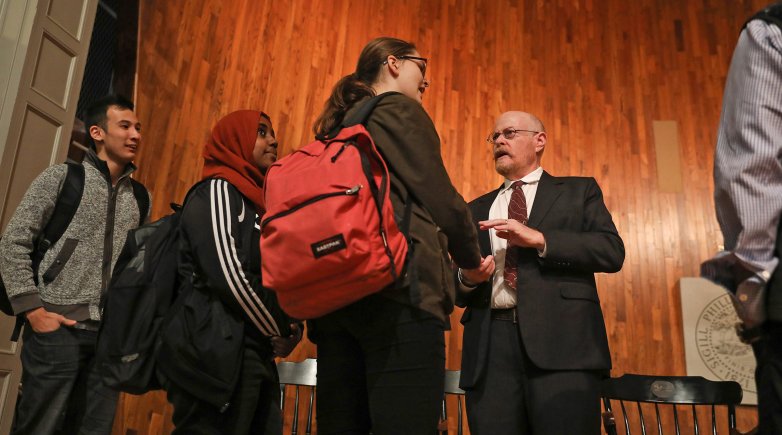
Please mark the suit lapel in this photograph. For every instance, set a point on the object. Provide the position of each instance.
(547, 194)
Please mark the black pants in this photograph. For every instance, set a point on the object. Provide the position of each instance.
(62, 390)
(381, 367)
(514, 397)
(255, 404)
(768, 377)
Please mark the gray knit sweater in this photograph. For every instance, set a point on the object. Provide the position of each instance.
(75, 270)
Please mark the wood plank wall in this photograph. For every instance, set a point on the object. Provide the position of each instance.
(598, 73)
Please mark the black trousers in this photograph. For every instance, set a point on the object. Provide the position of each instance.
(255, 404)
(514, 397)
(62, 389)
(768, 377)
(381, 368)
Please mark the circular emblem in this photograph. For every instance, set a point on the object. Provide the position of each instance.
(718, 346)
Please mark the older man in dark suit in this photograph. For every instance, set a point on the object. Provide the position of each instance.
(535, 345)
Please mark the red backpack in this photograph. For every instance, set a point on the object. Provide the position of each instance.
(328, 237)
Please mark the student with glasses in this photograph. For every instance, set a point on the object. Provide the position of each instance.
(381, 360)
(535, 346)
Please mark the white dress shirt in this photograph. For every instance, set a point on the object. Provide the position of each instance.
(502, 296)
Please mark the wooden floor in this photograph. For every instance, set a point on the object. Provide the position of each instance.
(598, 73)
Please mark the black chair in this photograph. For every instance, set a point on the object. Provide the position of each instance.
(452, 389)
(668, 391)
(301, 375)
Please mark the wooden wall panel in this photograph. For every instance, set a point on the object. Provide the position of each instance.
(598, 73)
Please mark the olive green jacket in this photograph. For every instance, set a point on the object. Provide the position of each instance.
(440, 222)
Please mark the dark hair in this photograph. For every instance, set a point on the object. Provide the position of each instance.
(96, 113)
(358, 85)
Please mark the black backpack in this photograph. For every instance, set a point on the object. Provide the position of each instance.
(144, 284)
(64, 209)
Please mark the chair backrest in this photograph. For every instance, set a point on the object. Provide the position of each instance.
(452, 389)
(301, 375)
(669, 391)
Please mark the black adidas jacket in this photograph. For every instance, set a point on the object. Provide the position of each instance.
(221, 240)
(202, 341)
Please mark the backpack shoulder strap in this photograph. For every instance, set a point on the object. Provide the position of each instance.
(362, 114)
(772, 14)
(142, 198)
(359, 117)
(193, 188)
(178, 207)
(64, 209)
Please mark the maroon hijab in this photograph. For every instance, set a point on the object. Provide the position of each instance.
(229, 154)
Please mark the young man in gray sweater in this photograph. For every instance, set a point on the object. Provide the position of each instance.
(62, 388)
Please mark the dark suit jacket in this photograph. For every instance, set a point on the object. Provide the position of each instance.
(560, 319)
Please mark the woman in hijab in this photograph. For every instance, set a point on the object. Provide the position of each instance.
(218, 349)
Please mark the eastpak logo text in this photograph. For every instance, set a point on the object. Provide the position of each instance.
(328, 246)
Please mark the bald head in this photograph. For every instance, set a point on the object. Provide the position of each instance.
(518, 156)
(530, 121)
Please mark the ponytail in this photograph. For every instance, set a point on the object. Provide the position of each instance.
(358, 85)
(345, 93)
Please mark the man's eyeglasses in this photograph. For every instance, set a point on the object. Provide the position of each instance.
(508, 133)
